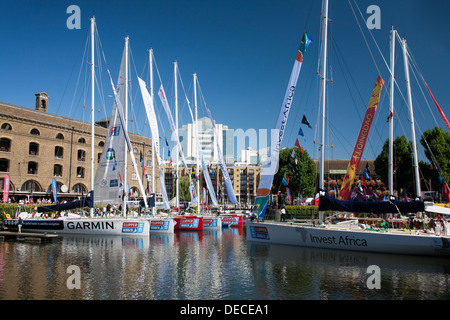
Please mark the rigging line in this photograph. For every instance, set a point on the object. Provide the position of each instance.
(365, 40)
(78, 78)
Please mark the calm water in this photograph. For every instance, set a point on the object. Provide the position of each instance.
(209, 266)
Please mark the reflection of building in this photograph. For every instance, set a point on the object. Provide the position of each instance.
(36, 146)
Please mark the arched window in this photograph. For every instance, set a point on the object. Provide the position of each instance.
(79, 188)
(101, 143)
(32, 167)
(35, 132)
(80, 172)
(33, 149)
(81, 155)
(81, 140)
(57, 170)
(59, 152)
(60, 136)
(31, 185)
(5, 145)
(4, 165)
(58, 187)
(6, 126)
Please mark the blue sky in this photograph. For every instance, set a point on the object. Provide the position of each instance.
(242, 51)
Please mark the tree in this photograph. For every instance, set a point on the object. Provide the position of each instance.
(185, 195)
(301, 175)
(437, 150)
(403, 165)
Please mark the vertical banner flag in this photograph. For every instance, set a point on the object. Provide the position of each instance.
(361, 140)
(270, 167)
(54, 189)
(289, 195)
(151, 116)
(285, 180)
(6, 189)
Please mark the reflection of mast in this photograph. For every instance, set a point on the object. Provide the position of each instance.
(411, 115)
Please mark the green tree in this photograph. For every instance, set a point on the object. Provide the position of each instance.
(403, 165)
(301, 175)
(437, 150)
(185, 195)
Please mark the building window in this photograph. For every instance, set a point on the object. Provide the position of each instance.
(135, 150)
(149, 152)
(80, 172)
(133, 176)
(81, 140)
(4, 165)
(30, 185)
(79, 188)
(32, 167)
(5, 145)
(57, 170)
(33, 149)
(6, 126)
(60, 136)
(81, 155)
(59, 152)
(35, 132)
(101, 144)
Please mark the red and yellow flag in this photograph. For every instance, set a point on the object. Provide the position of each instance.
(362, 139)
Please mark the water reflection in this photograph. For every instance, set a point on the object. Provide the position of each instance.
(211, 265)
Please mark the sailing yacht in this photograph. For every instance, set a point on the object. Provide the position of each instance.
(109, 181)
(351, 236)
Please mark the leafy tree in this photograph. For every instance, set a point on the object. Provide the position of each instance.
(403, 165)
(302, 174)
(185, 195)
(437, 150)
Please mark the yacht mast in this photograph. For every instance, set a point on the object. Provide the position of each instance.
(153, 138)
(176, 132)
(92, 108)
(197, 144)
(324, 82)
(391, 114)
(125, 197)
(411, 116)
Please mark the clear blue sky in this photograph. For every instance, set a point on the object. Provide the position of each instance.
(242, 51)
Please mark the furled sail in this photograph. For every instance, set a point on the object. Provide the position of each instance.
(271, 165)
(151, 116)
(204, 167)
(108, 185)
(223, 167)
(361, 140)
(162, 97)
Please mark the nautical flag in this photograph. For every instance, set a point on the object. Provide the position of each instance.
(305, 121)
(167, 144)
(285, 180)
(297, 144)
(300, 132)
(306, 40)
(170, 162)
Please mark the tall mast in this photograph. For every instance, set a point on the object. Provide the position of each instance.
(125, 197)
(197, 144)
(153, 138)
(92, 107)
(391, 114)
(176, 131)
(324, 82)
(411, 116)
